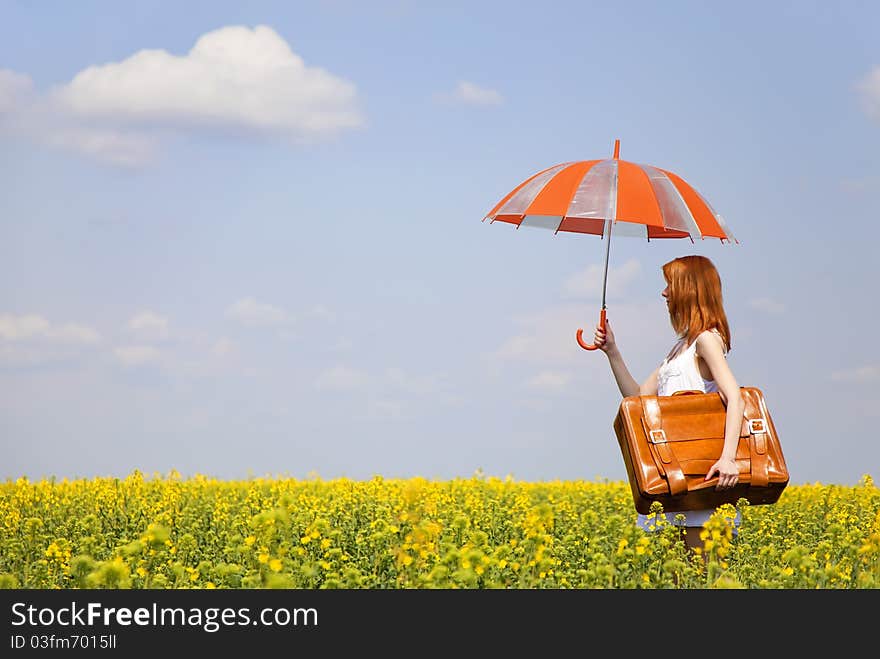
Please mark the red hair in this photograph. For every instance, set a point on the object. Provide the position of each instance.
(695, 301)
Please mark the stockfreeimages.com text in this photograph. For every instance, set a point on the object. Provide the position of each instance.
(210, 619)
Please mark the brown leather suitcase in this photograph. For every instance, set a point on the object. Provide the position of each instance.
(670, 442)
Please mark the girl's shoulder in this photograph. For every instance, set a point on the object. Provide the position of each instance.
(709, 338)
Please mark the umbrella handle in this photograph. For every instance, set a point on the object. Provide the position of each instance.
(580, 332)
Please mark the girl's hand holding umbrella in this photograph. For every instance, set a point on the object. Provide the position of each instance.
(603, 338)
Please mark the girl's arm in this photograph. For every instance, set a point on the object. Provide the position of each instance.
(709, 348)
(649, 387)
(627, 384)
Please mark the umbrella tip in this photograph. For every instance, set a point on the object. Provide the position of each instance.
(616, 149)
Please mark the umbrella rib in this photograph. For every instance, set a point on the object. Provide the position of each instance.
(675, 213)
(718, 219)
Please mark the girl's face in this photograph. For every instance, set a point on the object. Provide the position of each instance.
(665, 293)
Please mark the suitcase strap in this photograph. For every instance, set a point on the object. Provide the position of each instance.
(663, 455)
(756, 426)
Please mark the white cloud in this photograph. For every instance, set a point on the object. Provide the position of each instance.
(767, 304)
(31, 340)
(150, 325)
(252, 313)
(14, 328)
(341, 378)
(111, 146)
(550, 381)
(869, 92)
(137, 355)
(468, 93)
(25, 114)
(233, 76)
(588, 283)
(14, 89)
(74, 333)
(869, 373)
(234, 80)
(192, 355)
(30, 326)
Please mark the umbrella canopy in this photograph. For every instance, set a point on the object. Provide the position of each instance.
(598, 196)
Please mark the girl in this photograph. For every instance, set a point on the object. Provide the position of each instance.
(697, 361)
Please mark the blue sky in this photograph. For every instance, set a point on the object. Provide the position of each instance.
(245, 238)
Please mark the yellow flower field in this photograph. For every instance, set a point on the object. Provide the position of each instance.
(480, 532)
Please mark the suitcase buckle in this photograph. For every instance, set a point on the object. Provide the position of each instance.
(756, 426)
(657, 436)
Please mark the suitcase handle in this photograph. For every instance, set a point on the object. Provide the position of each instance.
(687, 392)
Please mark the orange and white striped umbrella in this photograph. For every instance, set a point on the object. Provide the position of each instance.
(604, 196)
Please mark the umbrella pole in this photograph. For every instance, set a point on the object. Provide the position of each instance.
(580, 332)
(605, 276)
(610, 215)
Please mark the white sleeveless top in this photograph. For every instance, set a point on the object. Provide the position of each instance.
(679, 374)
(682, 373)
